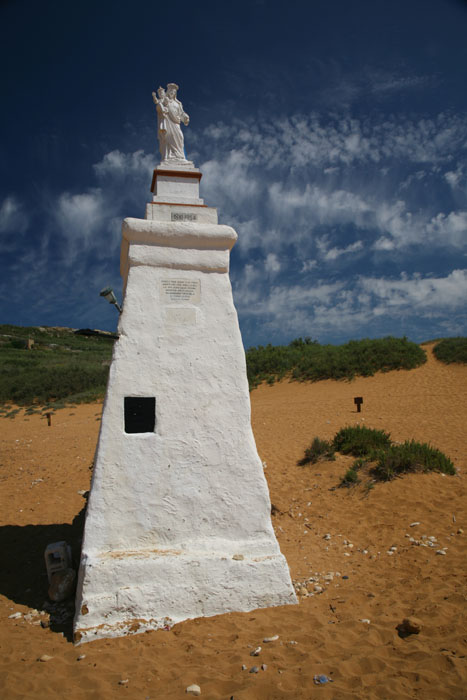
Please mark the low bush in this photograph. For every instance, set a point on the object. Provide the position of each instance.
(318, 450)
(411, 456)
(307, 360)
(451, 350)
(350, 478)
(360, 441)
(377, 455)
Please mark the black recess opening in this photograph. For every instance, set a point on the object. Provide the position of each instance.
(140, 414)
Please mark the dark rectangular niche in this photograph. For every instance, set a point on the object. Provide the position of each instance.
(140, 414)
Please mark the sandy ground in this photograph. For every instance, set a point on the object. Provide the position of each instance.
(347, 631)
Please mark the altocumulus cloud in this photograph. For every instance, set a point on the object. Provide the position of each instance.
(346, 227)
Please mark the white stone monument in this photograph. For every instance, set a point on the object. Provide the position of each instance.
(178, 521)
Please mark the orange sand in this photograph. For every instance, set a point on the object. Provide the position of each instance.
(42, 469)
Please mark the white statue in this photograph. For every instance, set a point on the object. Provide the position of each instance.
(169, 115)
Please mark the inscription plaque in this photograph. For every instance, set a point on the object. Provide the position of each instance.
(175, 291)
(183, 216)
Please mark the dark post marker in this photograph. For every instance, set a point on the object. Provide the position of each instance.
(49, 418)
(358, 400)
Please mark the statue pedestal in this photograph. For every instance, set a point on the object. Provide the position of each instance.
(178, 521)
(171, 185)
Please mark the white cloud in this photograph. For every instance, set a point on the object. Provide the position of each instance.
(357, 308)
(272, 263)
(13, 218)
(418, 293)
(118, 164)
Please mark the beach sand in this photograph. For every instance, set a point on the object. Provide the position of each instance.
(346, 632)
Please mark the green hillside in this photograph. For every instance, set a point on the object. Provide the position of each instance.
(49, 366)
(61, 365)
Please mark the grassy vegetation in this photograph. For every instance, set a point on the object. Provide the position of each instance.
(61, 366)
(378, 455)
(360, 441)
(307, 360)
(318, 450)
(451, 350)
(409, 457)
(64, 367)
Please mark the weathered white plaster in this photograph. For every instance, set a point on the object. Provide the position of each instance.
(177, 189)
(178, 521)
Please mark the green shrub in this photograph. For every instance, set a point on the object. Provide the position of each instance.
(318, 450)
(360, 441)
(307, 360)
(411, 456)
(451, 350)
(350, 478)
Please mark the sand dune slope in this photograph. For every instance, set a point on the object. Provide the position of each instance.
(337, 542)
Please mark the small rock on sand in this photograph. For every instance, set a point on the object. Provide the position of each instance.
(254, 669)
(193, 689)
(45, 657)
(274, 638)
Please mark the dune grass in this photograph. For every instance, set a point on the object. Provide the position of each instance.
(451, 350)
(360, 441)
(319, 450)
(382, 459)
(307, 360)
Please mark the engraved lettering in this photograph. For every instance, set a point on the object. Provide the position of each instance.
(183, 216)
(177, 291)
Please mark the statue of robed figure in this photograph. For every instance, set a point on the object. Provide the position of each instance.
(170, 114)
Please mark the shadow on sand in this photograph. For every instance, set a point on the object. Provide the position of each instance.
(24, 577)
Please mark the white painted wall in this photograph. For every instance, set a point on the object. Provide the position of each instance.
(169, 510)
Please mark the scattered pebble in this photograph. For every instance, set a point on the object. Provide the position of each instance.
(256, 652)
(460, 531)
(238, 557)
(45, 657)
(193, 689)
(365, 620)
(414, 524)
(327, 536)
(263, 667)
(274, 638)
(441, 551)
(123, 681)
(80, 658)
(254, 669)
(15, 616)
(244, 667)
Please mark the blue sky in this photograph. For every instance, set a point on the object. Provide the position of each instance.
(331, 134)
